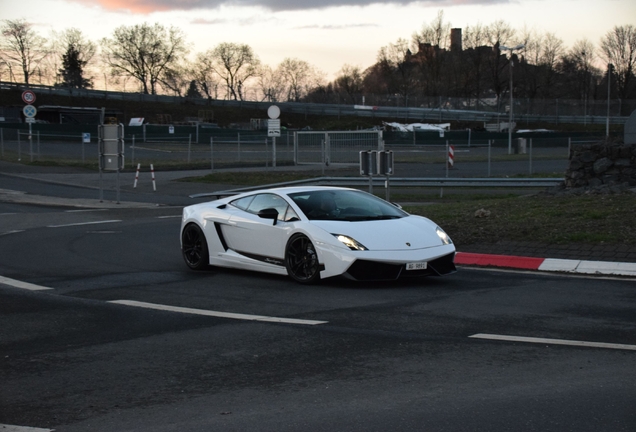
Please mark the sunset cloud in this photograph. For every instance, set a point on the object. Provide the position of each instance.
(149, 6)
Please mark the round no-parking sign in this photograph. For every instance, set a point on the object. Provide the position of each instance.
(29, 111)
(28, 97)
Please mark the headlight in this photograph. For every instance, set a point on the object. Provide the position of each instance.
(443, 236)
(350, 243)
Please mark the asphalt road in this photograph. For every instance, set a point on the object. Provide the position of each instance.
(359, 357)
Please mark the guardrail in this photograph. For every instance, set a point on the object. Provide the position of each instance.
(408, 114)
(398, 182)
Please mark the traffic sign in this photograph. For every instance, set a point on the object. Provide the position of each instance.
(273, 112)
(28, 97)
(29, 111)
(273, 127)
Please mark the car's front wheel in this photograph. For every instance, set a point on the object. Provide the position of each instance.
(194, 247)
(301, 260)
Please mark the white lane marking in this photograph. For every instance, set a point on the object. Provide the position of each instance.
(554, 341)
(84, 210)
(13, 428)
(7, 214)
(11, 232)
(84, 223)
(168, 217)
(24, 285)
(215, 313)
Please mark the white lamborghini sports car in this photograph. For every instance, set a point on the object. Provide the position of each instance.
(313, 233)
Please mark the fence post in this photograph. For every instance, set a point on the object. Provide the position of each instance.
(447, 158)
(239, 144)
(189, 146)
(489, 150)
(530, 155)
(266, 154)
(295, 148)
(19, 147)
(38, 141)
(132, 162)
(211, 154)
(2, 142)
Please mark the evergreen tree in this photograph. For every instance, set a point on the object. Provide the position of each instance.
(73, 70)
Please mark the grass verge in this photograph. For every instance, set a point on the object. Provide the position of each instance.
(593, 219)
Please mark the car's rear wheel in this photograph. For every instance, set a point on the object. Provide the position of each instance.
(301, 260)
(194, 247)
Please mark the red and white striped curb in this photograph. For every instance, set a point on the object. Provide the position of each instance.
(547, 264)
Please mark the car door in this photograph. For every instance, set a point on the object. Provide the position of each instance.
(257, 237)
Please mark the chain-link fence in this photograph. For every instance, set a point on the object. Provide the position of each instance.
(415, 154)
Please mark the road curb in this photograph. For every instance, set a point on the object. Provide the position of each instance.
(546, 264)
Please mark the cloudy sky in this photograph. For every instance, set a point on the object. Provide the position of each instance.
(325, 33)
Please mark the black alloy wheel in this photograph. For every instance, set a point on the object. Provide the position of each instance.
(194, 247)
(301, 260)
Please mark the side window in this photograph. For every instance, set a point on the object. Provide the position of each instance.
(264, 201)
(242, 203)
(291, 215)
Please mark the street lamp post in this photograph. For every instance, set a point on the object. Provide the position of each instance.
(510, 111)
(609, 80)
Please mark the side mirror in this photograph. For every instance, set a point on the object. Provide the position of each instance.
(269, 213)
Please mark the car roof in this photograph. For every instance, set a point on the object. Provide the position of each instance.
(297, 189)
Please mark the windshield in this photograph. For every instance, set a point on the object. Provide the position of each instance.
(344, 205)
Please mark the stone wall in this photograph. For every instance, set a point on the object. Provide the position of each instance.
(603, 167)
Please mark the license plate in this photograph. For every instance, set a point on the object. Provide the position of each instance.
(416, 265)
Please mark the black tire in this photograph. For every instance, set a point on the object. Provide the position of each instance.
(194, 247)
(301, 260)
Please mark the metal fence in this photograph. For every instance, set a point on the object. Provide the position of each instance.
(334, 147)
(419, 157)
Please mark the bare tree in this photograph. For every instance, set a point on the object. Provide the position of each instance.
(271, 83)
(22, 47)
(144, 52)
(551, 52)
(578, 71)
(436, 33)
(177, 78)
(299, 78)
(397, 68)
(205, 76)
(349, 81)
(235, 64)
(618, 47)
(474, 43)
(498, 33)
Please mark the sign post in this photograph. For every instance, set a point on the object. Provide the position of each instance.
(29, 112)
(273, 129)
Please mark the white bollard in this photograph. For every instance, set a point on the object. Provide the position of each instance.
(136, 176)
(152, 172)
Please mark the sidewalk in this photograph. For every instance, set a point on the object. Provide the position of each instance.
(166, 190)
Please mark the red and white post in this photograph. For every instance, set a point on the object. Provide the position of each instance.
(152, 172)
(136, 176)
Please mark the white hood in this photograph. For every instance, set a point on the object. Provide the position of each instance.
(408, 233)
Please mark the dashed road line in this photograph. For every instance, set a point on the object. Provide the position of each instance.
(84, 223)
(24, 285)
(84, 210)
(554, 341)
(14, 428)
(11, 232)
(216, 313)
